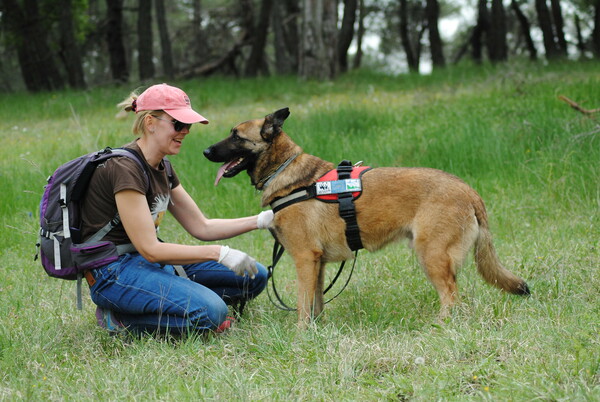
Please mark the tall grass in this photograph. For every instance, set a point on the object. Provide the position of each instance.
(535, 161)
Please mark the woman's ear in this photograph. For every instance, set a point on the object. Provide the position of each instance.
(149, 123)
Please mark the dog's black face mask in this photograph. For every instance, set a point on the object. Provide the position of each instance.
(245, 143)
(233, 152)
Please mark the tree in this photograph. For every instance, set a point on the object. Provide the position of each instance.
(580, 41)
(497, 46)
(410, 12)
(559, 30)
(432, 15)
(480, 31)
(596, 31)
(318, 43)
(346, 33)
(525, 29)
(545, 22)
(114, 40)
(285, 35)
(257, 61)
(411, 60)
(165, 41)
(198, 42)
(145, 52)
(360, 34)
(70, 52)
(26, 28)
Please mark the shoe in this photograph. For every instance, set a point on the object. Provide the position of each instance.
(106, 319)
(225, 325)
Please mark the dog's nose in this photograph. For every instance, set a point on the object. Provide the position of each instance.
(207, 152)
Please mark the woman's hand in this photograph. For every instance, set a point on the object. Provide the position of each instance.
(264, 219)
(238, 261)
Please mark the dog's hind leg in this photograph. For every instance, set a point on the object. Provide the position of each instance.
(441, 272)
(441, 251)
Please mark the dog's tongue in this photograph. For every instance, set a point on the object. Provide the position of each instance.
(222, 171)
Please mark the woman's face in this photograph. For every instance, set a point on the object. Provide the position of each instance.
(164, 132)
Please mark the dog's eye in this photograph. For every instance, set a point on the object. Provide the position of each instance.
(236, 137)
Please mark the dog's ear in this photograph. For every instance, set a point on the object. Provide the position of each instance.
(273, 123)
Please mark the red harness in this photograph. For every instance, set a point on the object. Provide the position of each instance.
(342, 185)
(332, 175)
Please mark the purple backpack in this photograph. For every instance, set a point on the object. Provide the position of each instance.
(64, 254)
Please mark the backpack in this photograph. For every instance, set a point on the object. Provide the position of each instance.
(64, 254)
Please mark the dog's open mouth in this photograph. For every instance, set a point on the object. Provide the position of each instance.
(230, 169)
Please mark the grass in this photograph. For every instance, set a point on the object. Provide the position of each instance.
(534, 160)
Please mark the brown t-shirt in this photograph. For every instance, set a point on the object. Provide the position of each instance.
(117, 174)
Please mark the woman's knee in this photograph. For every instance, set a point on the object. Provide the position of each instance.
(215, 314)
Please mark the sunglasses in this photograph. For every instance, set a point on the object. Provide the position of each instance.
(177, 125)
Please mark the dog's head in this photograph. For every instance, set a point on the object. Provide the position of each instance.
(245, 143)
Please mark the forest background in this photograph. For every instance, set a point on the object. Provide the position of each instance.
(54, 44)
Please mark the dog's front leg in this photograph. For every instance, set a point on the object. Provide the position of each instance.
(308, 269)
(319, 303)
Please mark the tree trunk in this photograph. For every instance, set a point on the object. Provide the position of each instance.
(114, 40)
(497, 47)
(525, 30)
(285, 62)
(246, 10)
(257, 61)
(318, 44)
(596, 31)
(165, 41)
(480, 31)
(545, 22)
(559, 27)
(346, 33)
(70, 52)
(36, 60)
(282, 60)
(145, 52)
(198, 46)
(432, 15)
(580, 42)
(411, 57)
(360, 34)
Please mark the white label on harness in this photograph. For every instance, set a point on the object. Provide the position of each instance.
(338, 186)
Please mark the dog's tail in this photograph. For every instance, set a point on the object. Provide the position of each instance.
(488, 264)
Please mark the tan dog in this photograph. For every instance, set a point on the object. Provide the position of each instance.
(440, 214)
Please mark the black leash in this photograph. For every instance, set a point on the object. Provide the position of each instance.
(277, 253)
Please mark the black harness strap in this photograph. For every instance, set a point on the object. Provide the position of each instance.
(277, 253)
(347, 210)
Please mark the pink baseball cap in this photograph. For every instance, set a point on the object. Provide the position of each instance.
(171, 100)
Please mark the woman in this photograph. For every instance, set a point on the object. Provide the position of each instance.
(141, 291)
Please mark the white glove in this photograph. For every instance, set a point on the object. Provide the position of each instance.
(238, 261)
(264, 219)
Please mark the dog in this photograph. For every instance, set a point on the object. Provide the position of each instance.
(442, 216)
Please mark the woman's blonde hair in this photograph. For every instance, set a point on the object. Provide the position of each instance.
(126, 106)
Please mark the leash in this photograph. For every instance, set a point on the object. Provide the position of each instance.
(278, 251)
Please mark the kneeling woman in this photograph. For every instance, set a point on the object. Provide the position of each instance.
(140, 291)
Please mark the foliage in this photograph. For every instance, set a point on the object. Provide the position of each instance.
(533, 159)
(223, 34)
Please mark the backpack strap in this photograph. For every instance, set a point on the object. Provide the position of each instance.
(132, 154)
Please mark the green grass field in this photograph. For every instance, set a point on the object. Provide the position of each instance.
(534, 160)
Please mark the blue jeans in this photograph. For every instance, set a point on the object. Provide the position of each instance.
(149, 296)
